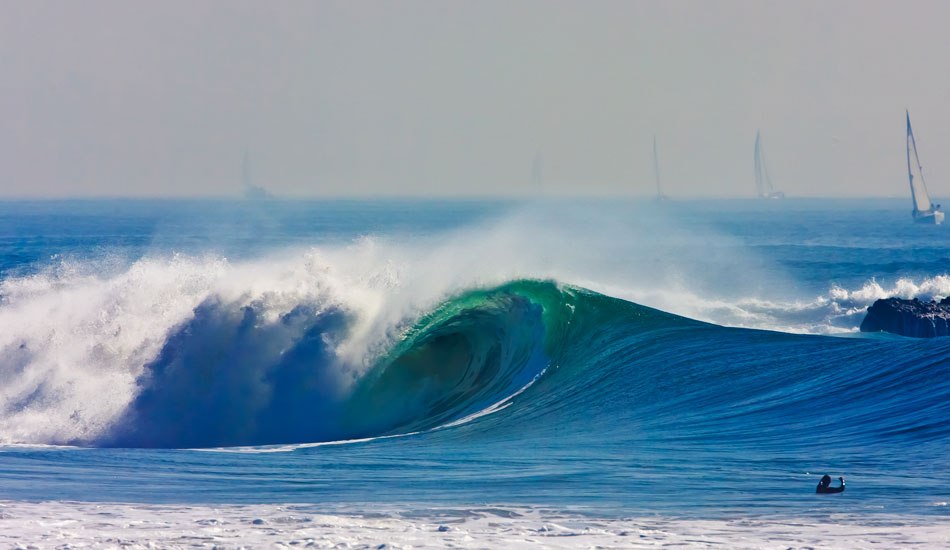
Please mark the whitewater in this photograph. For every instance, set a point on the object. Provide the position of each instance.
(497, 369)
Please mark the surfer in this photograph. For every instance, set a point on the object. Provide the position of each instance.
(824, 486)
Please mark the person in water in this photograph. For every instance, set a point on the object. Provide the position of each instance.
(824, 486)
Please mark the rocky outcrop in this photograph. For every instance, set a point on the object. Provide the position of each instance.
(909, 317)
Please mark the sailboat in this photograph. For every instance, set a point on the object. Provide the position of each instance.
(656, 173)
(924, 210)
(251, 191)
(763, 183)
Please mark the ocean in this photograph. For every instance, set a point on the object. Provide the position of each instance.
(669, 371)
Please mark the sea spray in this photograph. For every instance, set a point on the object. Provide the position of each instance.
(76, 345)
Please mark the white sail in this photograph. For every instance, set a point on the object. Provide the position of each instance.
(763, 183)
(918, 187)
(924, 210)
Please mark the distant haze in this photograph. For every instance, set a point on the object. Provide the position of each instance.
(469, 98)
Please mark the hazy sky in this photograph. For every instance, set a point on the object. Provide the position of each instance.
(456, 98)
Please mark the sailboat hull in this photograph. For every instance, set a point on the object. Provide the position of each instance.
(934, 217)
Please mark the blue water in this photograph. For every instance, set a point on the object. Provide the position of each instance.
(471, 353)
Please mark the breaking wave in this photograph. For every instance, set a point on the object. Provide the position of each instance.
(199, 352)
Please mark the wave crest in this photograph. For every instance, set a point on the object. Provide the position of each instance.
(200, 352)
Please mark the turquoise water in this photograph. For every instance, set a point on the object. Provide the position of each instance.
(693, 358)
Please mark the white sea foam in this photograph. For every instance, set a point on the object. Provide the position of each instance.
(838, 311)
(67, 525)
(75, 339)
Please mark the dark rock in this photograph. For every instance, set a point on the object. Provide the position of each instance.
(909, 317)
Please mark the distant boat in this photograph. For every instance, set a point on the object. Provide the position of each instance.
(763, 183)
(656, 174)
(924, 210)
(251, 191)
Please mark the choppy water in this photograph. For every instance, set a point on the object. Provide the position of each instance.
(690, 358)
